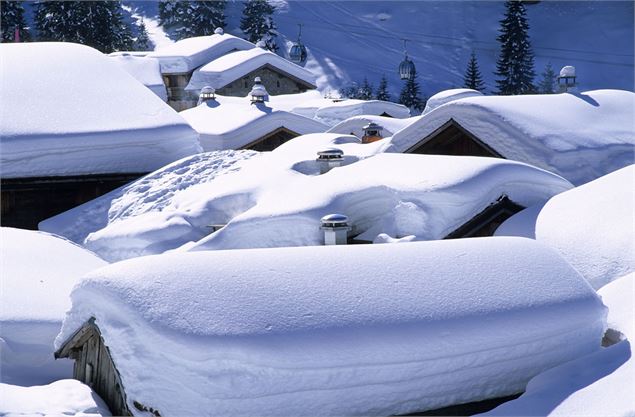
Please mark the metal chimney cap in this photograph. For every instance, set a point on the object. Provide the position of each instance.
(335, 219)
(330, 153)
(219, 31)
(567, 71)
(208, 90)
(373, 126)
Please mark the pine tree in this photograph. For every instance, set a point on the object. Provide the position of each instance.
(349, 91)
(410, 95)
(382, 90)
(168, 11)
(472, 78)
(515, 65)
(198, 18)
(257, 23)
(548, 83)
(365, 91)
(142, 43)
(98, 24)
(12, 17)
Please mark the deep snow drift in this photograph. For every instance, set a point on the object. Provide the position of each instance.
(354, 125)
(579, 136)
(591, 226)
(146, 70)
(354, 330)
(38, 272)
(68, 109)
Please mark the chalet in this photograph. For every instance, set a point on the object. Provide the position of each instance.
(243, 123)
(580, 136)
(95, 129)
(262, 337)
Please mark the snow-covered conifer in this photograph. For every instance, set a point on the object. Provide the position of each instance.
(143, 43)
(198, 18)
(12, 18)
(365, 91)
(382, 90)
(410, 95)
(548, 83)
(257, 23)
(473, 78)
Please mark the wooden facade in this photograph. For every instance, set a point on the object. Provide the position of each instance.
(486, 222)
(272, 140)
(453, 139)
(95, 368)
(28, 201)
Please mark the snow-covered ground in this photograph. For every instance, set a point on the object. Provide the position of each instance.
(355, 330)
(38, 272)
(591, 226)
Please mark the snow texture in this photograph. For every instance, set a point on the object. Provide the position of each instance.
(146, 70)
(70, 110)
(188, 54)
(578, 136)
(233, 122)
(225, 69)
(447, 96)
(599, 384)
(354, 125)
(354, 330)
(38, 272)
(593, 226)
(153, 193)
(522, 224)
(67, 397)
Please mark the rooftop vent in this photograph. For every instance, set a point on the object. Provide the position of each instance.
(372, 132)
(329, 159)
(567, 79)
(219, 31)
(207, 93)
(335, 227)
(258, 92)
(261, 44)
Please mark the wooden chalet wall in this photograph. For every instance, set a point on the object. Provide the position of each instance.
(178, 98)
(275, 81)
(95, 368)
(453, 139)
(486, 222)
(272, 140)
(27, 201)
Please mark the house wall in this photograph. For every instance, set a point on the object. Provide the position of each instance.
(178, 98)
(272, 140)
(275, 82)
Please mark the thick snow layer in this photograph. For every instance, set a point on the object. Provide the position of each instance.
(447, 96)
(223, 70)
(600, 384)
(153, 193)
(188, 54)
(593, 226)
(522, 224)
(67, 109)
(38, 272)
(355, 330)
(233, 122)
(146, 70)
(578, 136)
(354, 125)
(67, 397)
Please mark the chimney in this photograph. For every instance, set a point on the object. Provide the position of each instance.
(219, 31)
(329, 159)
(566, 79)
(258, 92)
(207, 93)
(335, 228)
(372, 132)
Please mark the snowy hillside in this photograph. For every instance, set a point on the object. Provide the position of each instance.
(352, 39)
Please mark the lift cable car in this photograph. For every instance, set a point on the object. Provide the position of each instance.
(297, 53)
(407, 67)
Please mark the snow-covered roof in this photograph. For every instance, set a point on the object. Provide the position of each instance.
(337, 330)
(447, 96)
(188, 54)
(145, 70)
(353, 125)
(232, 66)
(233, 122)
(38, 272)
(68, 109)
(579, 136)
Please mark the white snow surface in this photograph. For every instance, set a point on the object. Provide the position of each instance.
(233, 122)
(232, 66)
(188, 54)
(593, 226)
(151, 194)
(68, 109)
(447, 96)
(578, 136)
(522, 224)
(354, 125)
(38, 272)
(600, 384)
(284, 332)
(67, 397)
(146, 70)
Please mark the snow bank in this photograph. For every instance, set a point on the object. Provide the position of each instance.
(70, 110)
(447, 96)
(188, 54)
(578, 136)
(153, 193)
(38, 272)
(593, 226)
(223, 70)
(599, 384)
(146, 70)
(354, 125)
(363, 333)
(68, 397)
(233, 122)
